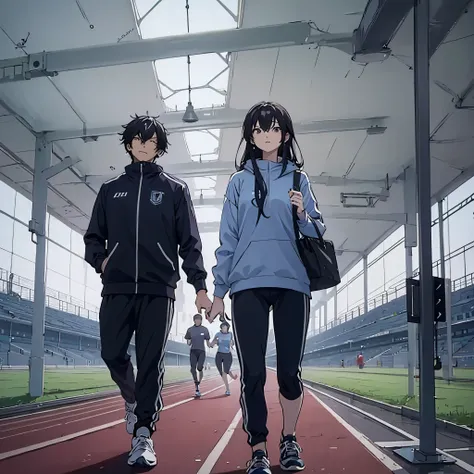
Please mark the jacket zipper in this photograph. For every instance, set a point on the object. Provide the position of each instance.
(166, 256)
(136, 227)
(269, 179)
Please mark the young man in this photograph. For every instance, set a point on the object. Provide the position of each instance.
(139, 220)
(225, 342)
(195, 337)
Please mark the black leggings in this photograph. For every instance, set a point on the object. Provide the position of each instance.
(250, 314)
(223, 362)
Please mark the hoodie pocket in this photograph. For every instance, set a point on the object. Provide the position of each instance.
(272, 258)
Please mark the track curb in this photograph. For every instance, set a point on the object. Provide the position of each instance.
(406, 412)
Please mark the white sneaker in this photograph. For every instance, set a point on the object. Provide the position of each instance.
(142, 453)
(130, 417)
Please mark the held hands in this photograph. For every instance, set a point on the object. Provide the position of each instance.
(217, 309)
(202, 301)
(296, 199)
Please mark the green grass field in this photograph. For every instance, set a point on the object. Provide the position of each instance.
(454, 400)
(62, 383)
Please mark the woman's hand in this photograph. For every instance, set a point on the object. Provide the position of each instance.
(296, 199)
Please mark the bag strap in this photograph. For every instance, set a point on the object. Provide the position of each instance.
(296, 187)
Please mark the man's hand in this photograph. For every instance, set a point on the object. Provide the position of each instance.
(216, 310)
(202, 301)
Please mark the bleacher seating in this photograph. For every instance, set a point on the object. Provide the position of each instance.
(69, 339)
(346, 339)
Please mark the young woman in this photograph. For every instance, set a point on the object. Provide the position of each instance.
(258, 261)
(225, 342)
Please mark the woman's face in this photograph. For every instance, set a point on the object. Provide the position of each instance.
(224, 329)
(267, 141)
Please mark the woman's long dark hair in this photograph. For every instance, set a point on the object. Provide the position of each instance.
(267, 115)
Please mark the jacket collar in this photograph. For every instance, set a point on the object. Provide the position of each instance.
(142, 167)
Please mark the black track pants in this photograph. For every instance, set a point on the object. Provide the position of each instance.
(197, 358)
(250, 314)
(151, 318)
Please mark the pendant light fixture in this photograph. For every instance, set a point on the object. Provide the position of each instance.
(189, 114)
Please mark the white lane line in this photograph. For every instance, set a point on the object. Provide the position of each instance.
(377, 453)
(453, 450)
(59, 416)
(44, 411)
(76, 417)
(52, 442)
(459, 462)
(215, 454)
(395, 444)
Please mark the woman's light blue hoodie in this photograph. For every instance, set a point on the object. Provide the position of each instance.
(263, 255)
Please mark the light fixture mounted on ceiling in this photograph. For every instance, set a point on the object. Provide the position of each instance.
(189, 114)
(376, 130)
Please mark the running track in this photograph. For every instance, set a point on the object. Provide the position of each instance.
(193, 436)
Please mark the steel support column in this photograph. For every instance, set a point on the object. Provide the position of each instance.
(449, 334)
(426, 452)
(37, 226)
(423, 170)
(366, 284)
(335, 305)
(412, 345)
(410, 199)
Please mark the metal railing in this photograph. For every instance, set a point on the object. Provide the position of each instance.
(24, 288)
(396, 291)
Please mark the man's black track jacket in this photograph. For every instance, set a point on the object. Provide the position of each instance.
(138, 222)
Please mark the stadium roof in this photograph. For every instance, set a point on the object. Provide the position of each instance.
(355, 119)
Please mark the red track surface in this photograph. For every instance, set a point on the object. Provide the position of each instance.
(186, 435)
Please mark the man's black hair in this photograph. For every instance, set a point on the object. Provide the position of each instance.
(225, 323)
(197, 316)
(144, 127)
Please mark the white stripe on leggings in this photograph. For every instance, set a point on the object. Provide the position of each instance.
(243, 403)
(306, 306)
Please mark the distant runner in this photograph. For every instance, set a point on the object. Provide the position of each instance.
(225, 342)
(195, 336)
(360, 361)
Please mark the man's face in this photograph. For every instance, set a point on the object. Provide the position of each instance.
(197, 321)
(144, 151)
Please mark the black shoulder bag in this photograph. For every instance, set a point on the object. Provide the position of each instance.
(318, 255)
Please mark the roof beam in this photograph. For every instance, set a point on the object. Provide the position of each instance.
(225, 168)
(128, 52)
(444, 15)
(379, 24)
(382, 19)
(224, 118)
